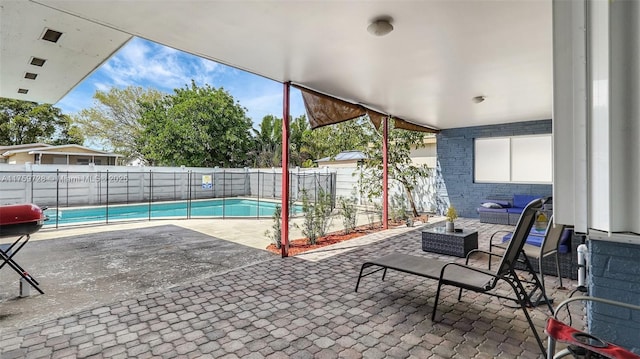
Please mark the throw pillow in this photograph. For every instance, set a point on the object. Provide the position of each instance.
(503, 203)
(491, 205)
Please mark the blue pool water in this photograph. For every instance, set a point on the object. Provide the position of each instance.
(182, 209)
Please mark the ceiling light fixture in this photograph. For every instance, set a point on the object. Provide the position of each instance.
(23, 91)
(380, 26)
(30, 76)
(479, 99)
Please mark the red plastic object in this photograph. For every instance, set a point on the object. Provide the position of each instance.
(566, 334)
(20, 219)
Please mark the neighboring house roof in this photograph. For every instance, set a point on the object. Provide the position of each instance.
(60, 150)
(345, 156)
(27, 145)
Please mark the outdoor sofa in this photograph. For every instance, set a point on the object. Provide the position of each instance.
(506, 211)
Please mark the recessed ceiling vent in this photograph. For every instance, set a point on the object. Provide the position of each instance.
(36, 61)
(30, 76)
(23, 91)
(51, 35)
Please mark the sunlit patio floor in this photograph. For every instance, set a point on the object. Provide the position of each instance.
(247, 303)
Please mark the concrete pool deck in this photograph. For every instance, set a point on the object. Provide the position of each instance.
(84, 266)
(249, 232)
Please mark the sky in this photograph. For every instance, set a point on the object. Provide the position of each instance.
(151, 65)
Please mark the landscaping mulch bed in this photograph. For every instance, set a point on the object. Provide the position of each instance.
(302, 245)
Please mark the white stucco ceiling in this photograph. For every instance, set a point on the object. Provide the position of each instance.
(81, 49)
(440, 55)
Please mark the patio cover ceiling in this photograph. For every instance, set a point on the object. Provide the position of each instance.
(440, 55)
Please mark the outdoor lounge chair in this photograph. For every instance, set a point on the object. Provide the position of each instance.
(467, 277)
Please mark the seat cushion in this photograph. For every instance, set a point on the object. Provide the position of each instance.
(536, 237)
(565, 241)
(522, 200)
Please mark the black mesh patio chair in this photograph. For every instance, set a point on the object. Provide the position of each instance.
(467, 277)
(549, 247)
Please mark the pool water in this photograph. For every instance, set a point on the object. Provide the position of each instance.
(182, 209)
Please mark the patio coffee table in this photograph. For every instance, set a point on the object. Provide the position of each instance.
(458, 244)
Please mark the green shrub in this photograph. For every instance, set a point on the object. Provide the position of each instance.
(317, 217)
(398, 208)
(323, 209)
(276, 235)
(348, 211)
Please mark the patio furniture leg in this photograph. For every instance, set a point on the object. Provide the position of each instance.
(26, 276)
(360, 275)
(7, 258)
(521, 296)
(537, 285)
(367, 265)
(551, 347)
(558, 270)
(541, 274)
(435, 303)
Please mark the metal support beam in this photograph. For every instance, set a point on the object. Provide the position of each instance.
(385, 173)
(285, 171)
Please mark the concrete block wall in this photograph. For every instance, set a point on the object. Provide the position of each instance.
(424, 193)
(615, 275)
(226, 183)
(49, 185)
(266, 183)
(455, 156)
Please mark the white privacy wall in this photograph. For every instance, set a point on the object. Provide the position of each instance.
(625, 114)
(597, 116)
(570, 115)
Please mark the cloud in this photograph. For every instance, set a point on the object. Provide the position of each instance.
(149, 65)
(144, 63)
(100, 86)
(208, 65)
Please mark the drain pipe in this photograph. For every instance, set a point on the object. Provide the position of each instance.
(582, 267)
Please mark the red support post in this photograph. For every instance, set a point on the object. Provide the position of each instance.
(284, 228)
(385, 173)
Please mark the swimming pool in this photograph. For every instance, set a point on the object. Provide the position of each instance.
(181, 209)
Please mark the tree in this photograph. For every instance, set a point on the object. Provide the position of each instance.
(68, 133)
(268, 151)
(114, 120)
(23, 122)
(196, 126)
(330, 140)
(298, 151)
(400, 166)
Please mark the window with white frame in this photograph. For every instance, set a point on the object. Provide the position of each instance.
(515, 159)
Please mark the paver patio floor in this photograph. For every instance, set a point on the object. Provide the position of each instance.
(298, 307)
